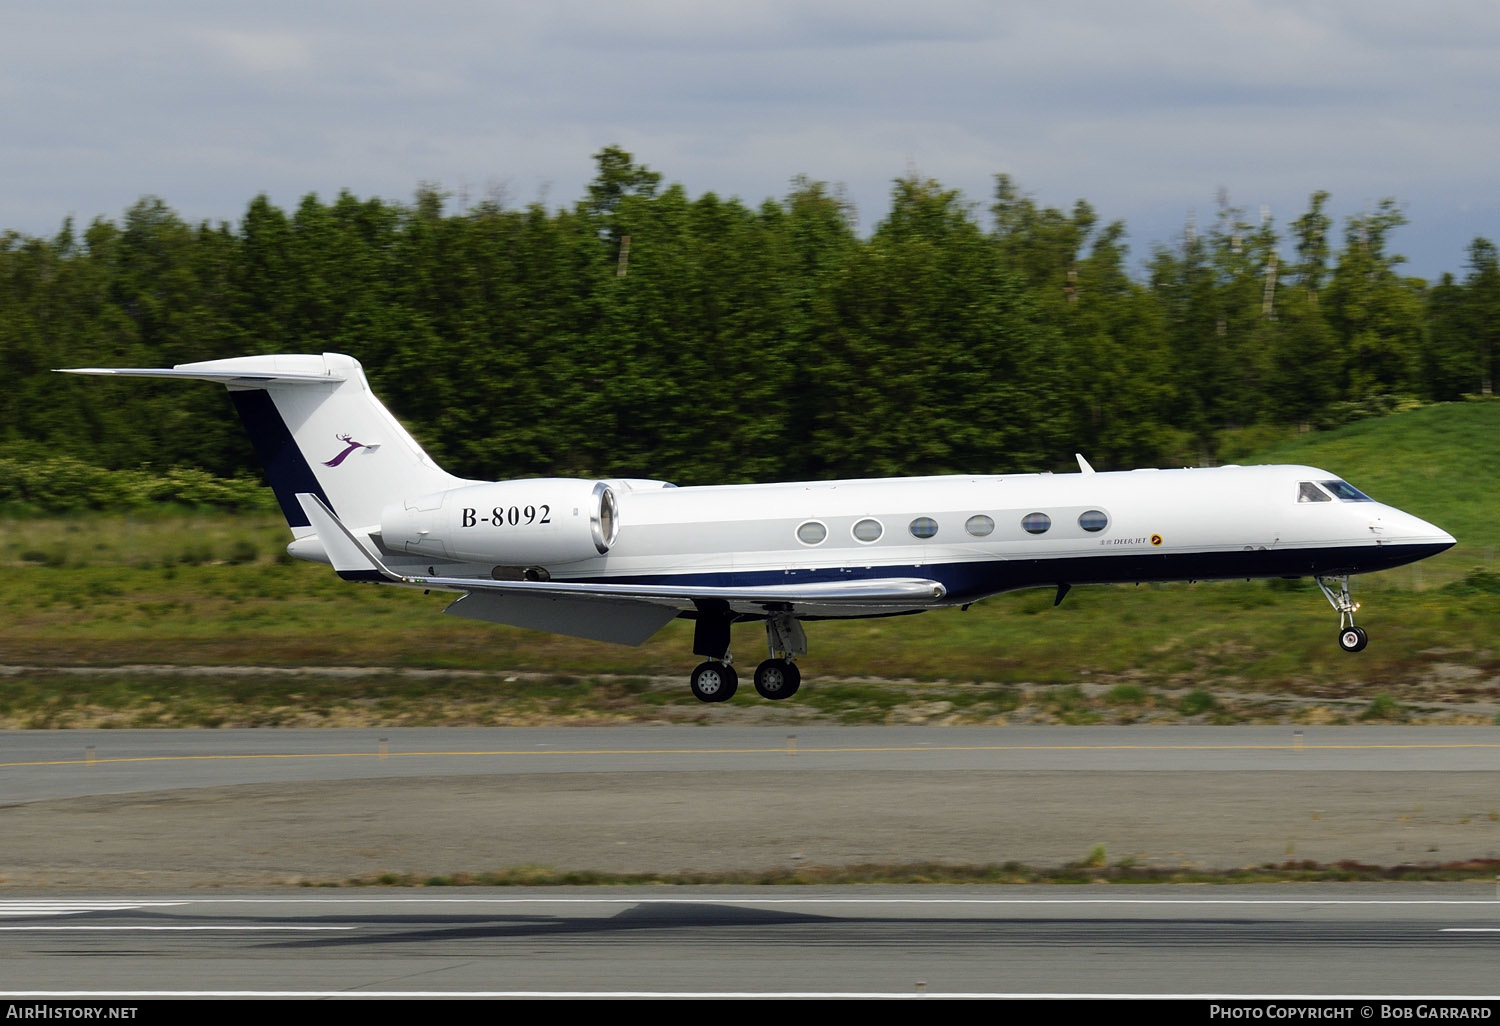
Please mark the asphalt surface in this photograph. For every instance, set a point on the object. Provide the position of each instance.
(143, 811)
(1372, 943)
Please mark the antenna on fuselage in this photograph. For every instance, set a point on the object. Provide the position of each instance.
(1083, 464)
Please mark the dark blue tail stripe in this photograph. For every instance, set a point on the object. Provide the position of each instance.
(287, 471)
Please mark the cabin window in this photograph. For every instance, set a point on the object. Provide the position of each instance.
(1093, 521)
(868, 530)
(811, 533)
(979, 525)
(1346, 491)
(1036, 523)
(923, 527)
(1309, 492)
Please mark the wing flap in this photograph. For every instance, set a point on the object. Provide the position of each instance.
(623, 623)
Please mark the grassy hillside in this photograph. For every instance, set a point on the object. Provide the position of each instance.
(95, 594)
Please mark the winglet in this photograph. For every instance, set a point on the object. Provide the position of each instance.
(349, 557)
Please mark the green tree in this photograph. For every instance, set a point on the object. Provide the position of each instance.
(1482, 304)
(1375, 314)
(1308, 371)
(935, 360)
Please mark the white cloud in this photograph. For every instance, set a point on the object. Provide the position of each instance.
(1144, 109)
(260, 52)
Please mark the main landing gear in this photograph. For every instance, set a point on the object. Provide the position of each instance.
(714, 681)
(776, 678)
(1351, 638)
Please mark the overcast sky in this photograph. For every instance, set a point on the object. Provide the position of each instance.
(1147, 109)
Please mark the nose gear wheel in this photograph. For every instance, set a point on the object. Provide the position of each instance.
(1336, 591)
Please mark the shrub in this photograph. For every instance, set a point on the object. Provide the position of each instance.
(1196, 702)
(1126, 694)
(1384, 707)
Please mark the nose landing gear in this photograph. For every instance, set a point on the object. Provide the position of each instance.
(1351, 638)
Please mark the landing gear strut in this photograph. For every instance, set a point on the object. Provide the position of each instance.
(1351, 638)
(714, 680)
(778, 677)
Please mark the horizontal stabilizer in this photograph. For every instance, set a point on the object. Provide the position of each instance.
(248, 378)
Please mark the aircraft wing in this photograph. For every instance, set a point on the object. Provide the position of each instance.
(628, 613)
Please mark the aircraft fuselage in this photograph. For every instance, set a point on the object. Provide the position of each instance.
(976, 535)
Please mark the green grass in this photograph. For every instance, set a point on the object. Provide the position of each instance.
(218, 590)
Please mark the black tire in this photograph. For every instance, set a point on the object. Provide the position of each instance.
(794, 680)
(777, 679)
(713, 682)
(1353, 639)
(731, 682)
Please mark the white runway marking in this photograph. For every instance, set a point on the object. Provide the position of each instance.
(60, 907)
(730, 994)
(170, 929)
(750, 899)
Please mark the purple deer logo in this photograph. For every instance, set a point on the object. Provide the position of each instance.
(350, 446)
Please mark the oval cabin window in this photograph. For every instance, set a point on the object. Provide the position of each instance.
(1093, 521)
(1036, 523)
(979, 525)
(811, 533)
(923, 527)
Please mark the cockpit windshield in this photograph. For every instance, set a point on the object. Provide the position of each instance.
(1309, 492)
(1346, 491)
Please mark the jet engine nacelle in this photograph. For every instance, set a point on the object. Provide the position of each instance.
(534, 522)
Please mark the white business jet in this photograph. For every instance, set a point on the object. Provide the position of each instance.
(616, 559)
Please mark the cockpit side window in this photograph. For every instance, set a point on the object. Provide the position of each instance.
(1346, 491)
(1309, 492)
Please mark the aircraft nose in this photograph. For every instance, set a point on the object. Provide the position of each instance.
(1393, 526)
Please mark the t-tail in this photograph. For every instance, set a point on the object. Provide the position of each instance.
(319, 430)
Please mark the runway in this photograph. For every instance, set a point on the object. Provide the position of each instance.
(40, 764)
(173, 810)
(1360, 941)
(179, 846)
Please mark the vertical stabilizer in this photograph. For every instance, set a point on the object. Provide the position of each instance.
(318, 429)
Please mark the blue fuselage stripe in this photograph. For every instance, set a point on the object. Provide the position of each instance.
(971, 580)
